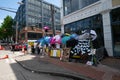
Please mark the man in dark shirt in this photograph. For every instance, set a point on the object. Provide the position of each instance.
(13, 48)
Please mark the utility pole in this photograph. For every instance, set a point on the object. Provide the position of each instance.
(16, 38)
(52, 15)
(42, 15)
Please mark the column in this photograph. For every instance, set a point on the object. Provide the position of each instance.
(26, 27)
(62, 25)
(107, 32)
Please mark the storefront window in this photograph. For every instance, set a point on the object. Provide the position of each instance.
(88, 23)
(115, 21)
(67, 28)
(33, 36)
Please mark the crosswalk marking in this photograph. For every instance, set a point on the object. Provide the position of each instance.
(6, 61)
(10, 60)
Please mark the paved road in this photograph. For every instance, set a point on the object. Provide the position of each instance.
(10, 70)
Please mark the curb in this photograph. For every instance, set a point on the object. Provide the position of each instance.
(75, 77)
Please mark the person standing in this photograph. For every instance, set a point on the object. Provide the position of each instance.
(13, 48)
(38, 49)
(32, 49)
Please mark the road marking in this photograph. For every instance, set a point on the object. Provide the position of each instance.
(6, 60)
(10, 60)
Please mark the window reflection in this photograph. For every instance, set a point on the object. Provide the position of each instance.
(34, 35)
(94, 23)
(73, 5)
(115, 20)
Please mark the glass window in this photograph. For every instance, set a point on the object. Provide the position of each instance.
(33, 36)
(67, 28)
(78, 24)
(88, 23)
(115, 21)
(115, 15)
(73, 5)
(67, 6)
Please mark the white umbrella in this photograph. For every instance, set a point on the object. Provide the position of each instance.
(83, 36)
(57, 38)
(87, 34)
(93, 34)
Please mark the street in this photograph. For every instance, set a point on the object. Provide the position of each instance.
(10, 70)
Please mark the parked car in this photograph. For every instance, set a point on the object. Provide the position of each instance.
(16, 47)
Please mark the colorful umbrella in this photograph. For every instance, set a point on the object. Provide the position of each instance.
(71, 42)
(93, 34)
(46, 28)
(73, 36)
(39, 40)
(47, 39)
(88, 34)
(52, 41)
(57, 39)
(65, 39)
(43, 42)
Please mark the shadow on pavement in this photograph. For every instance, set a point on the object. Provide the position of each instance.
(111, 62)
(37, 65)
(54, 67)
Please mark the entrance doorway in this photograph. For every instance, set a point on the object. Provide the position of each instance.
(115, 20)
(116, 39)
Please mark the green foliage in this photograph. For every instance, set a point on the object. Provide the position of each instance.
(6, 29)
(0, 33)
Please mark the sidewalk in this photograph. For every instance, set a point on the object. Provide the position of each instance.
(70, 69)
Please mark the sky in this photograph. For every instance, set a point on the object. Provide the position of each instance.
(13, 4)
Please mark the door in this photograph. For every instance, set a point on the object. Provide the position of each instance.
(115, 20)
(116, 39)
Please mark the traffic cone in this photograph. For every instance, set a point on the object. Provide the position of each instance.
(5, 57)
(0, 47)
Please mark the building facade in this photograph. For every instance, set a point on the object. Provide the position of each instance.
(103, 16)
(33, 15)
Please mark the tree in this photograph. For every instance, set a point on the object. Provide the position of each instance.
(6, 29)
(1, 35)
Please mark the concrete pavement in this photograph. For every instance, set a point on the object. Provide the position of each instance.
(77, 71)
(41, 65)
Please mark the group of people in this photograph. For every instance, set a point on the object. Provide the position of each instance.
(37, 49)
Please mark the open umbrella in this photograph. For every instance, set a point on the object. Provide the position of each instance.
(39, 40)
(43, 42)
(52, 41)
(88, 34)
(73, 36)
(46, 28)
(93, 34)
(47, 39)
(71, 42)
(65, 39)
(83, 36)
(57, 39)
